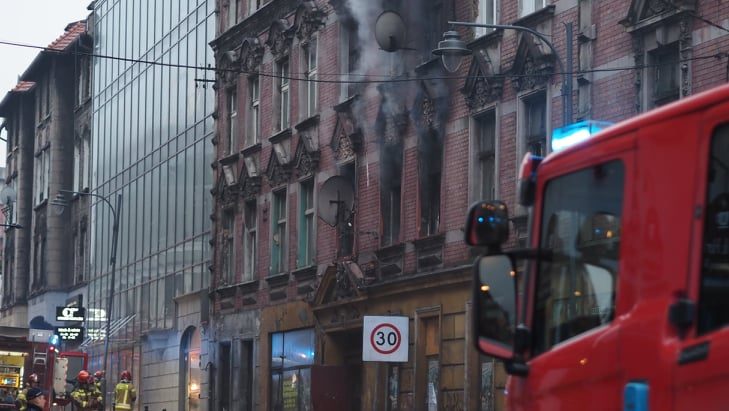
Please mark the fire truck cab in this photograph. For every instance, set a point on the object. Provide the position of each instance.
(621, 300)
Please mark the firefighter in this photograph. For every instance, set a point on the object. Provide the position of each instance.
(85, 396)
(21, 401)
(98, 379)
(36, 399)
(125, 394)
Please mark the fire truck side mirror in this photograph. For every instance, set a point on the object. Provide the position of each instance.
(495, 305)
(527, 184)
(487, 224)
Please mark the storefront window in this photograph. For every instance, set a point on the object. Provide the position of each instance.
(292, 354)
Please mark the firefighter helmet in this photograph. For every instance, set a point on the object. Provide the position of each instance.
(84, 377)
(98, 375)
(33, 378)
(126, 375)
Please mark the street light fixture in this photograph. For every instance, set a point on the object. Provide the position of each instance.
(452, 49)
(59, 205)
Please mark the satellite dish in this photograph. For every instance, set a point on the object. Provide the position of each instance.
(390, 31)
(7, 195)
(336, 200)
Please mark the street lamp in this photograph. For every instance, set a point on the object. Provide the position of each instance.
(59, 205)
(452, 49)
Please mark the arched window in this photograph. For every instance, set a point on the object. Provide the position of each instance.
(190, 375)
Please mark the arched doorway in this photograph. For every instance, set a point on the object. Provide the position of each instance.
(190, 370)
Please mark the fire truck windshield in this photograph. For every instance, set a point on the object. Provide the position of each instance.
(575, 292)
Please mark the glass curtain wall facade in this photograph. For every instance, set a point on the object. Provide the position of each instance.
(151, 142)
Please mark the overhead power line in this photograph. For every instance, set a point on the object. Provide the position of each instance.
(366, 78)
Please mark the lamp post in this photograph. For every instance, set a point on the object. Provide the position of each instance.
(59, 204)
(452, 49)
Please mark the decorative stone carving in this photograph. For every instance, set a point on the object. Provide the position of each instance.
(532, 66)
(306, 159)
(229, 68)
(226, 194)
(638, 59)
(482, 86)
(278, 170)
(686, 52)
(309, 18)
(251, 55)
(347, 138)
(280, 37)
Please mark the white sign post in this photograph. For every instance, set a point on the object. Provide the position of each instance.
(385, 338)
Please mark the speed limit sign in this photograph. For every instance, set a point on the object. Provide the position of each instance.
(385, 338)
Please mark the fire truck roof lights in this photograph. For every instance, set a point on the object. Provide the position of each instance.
(572, 134)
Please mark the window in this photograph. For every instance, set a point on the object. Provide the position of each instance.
(310, 54)
(530, 6)
(232, 120)
(391, 189)
(253, 5)
(429, 167)
(278, 243)
(42, 174)
(581, 223)
(486, 15)
(292, 354)
(433, 27)
(283, 95)
(77, 166)
(226, 381)
(249, 242)
(350, 60)
(254, 111)
(232, 13)
(713, 293)
(83, 81)
(86, 160)
(666, 74)
(535, 123)
(227, 249)
(306, 231)
(485, 156)
(393, 387)
(428, 359)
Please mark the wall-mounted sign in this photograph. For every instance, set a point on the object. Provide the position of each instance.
(385, 338)
(70, 334)
(70, 314)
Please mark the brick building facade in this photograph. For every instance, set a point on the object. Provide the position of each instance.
(417, 146)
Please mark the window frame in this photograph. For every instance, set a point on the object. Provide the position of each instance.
(297, 368)
(483, 8)
(232, 97)
(306, 231)
(254, 111)
(278, 226)
(250, 241)
(283, 94)
(311, 102)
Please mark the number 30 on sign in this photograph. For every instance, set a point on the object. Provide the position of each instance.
(385, 338)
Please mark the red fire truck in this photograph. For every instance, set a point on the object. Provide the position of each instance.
(621, 300)
(21, 356)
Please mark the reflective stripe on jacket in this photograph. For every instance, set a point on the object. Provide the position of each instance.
(125, 394)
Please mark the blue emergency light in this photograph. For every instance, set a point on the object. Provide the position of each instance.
(572, 134)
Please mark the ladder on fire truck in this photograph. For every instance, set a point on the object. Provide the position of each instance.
(40, 361)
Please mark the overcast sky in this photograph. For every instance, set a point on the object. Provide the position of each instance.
(35, 22)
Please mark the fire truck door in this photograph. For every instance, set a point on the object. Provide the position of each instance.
(701, 371)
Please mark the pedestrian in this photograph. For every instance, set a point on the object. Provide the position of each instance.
(85, 396)
(125, 394)
(36, 399)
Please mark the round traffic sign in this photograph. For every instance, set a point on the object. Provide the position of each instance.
(385, 338)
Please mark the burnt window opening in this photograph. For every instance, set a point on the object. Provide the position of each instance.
(345, 228)
(486, 156)
(665, 74)
(535, 123)
(430, 169)
(390, 195)
(225, 387)
(433, 27)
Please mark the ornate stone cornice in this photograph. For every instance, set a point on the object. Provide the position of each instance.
(249, 180)
(280, 37)
(226, 194)
(229, 68)
(309, 18)
(643, 14)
